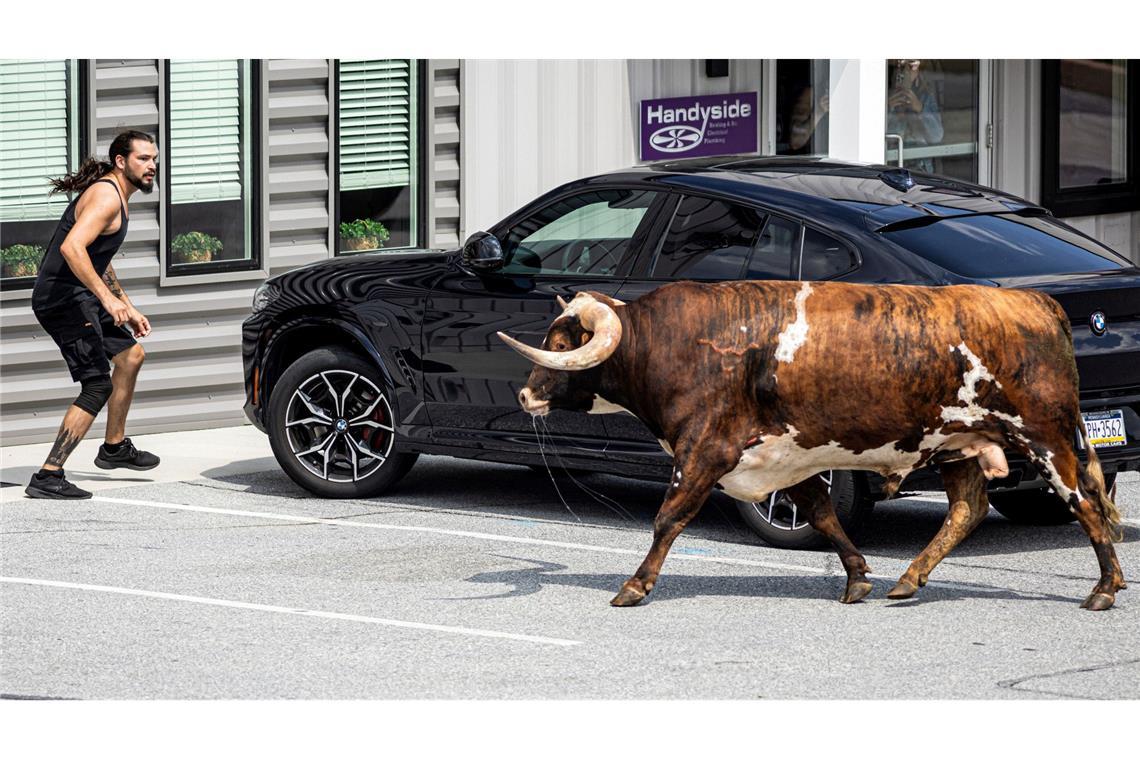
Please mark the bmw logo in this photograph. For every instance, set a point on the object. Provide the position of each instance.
(341, 426)
(1098, 323)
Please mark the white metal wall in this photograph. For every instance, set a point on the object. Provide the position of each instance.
(193, 375)
(529, 126)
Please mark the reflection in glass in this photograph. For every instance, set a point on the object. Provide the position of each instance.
(824, 257)
(1093, 123)
(1006, 245)
(586, 234)
(932, 105)
(708, 239)
(802, 103)
(777, 252)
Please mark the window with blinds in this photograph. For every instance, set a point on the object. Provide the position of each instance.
(206, 136)
(210, 128)
(38, 137)
(377, 135)
(377, 154)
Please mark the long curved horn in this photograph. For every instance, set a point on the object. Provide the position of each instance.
(562, 303)
(596, 317)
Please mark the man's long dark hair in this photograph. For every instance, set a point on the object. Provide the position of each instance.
(93, 168)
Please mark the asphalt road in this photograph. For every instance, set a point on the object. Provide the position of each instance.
(476, 581)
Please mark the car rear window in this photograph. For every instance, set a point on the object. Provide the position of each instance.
(1006, 245)
(708, 240)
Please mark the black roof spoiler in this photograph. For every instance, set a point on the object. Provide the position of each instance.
(930, 217)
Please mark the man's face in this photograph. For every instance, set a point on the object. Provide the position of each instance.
(141, 165)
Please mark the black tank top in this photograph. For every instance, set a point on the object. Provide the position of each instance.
(56, 283)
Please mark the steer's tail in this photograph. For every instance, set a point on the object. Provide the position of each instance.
(1092, 485)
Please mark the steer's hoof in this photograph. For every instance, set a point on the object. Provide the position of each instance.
(902, 590)
(1098, 600)
(856, 591)
(627, 597)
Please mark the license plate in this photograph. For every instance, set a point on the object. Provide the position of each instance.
(1105, 428)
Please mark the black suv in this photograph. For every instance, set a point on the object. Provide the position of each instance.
(355, 365)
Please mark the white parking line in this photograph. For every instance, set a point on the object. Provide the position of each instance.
(677, 554)
(294, 611)
(461, 533)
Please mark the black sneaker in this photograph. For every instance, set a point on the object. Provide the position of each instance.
(54, 487)
(127, 456)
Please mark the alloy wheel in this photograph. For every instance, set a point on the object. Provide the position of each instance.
(779, 511)
(339, 426)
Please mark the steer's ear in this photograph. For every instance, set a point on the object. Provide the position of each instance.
(608, 300)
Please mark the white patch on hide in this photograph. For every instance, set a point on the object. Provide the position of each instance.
(1054, 477)
(778, 462)
(972, 413)
(601, 406)
(795, 334)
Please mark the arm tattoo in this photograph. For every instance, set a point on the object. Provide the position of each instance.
(112, 282)
(65, 443)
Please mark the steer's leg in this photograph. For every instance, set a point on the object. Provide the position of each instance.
(1061, 471)
(692, 481)
(966, 487)
(811, 496)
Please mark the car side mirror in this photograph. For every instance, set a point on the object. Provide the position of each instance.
(483, 252)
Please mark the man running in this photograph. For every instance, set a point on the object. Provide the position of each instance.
(79, 301)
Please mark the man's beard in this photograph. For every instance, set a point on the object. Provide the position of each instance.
(147, 186)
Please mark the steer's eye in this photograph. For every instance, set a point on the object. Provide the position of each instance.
(561, 346)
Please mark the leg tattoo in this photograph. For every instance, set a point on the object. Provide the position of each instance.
(65, 443)
(75, 425)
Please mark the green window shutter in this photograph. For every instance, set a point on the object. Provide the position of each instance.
(205, 131)
(36, 139)
(377, 134)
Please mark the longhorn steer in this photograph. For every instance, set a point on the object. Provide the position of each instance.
(759, 386)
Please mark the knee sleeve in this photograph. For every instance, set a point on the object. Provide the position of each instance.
(96, 391)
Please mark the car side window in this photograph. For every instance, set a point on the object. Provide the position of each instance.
(707, 240)
(777, 252)
(586, 235)
(824, 256)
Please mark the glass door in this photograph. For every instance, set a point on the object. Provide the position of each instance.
(938, 117)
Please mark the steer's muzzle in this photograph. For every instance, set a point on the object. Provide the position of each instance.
(532, 405)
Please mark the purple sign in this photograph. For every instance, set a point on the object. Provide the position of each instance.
(698, 125)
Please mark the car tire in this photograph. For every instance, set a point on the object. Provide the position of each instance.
(331, 426)
(1037, 506)
(784, 528)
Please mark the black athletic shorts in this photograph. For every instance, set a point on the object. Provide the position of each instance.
(86, 335)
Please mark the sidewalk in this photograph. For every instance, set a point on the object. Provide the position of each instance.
(185, 456)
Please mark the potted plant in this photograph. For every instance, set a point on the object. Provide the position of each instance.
(20, 260)
(363, 235)
(195, 248)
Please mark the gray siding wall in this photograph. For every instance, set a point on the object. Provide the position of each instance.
(193, 376)
(442, 154)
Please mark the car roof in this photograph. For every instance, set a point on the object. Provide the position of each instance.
(822, 187)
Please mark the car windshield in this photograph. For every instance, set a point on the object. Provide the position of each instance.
(1006, 245)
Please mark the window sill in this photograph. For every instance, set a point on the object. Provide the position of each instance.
(189, 276)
